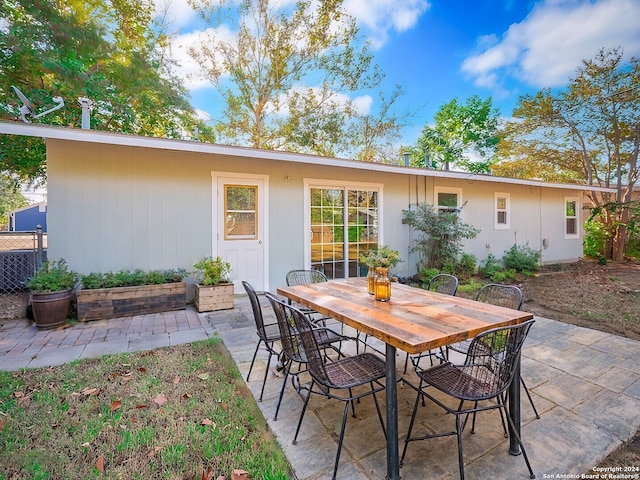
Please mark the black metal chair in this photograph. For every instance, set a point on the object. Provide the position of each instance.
(508, 296)
(267, 333)
(342, 375)
(441, 283)
(292, 344)
(492, 359)
(305, 277)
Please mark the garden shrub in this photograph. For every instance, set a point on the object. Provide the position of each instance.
(466, 266)
(521, 258)
(490, 266)
(132, 278)
(595, 240)
(440, 235)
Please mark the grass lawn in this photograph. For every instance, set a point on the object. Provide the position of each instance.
(179, 412)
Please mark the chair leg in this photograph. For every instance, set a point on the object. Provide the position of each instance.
(304, 409)
(460, 455)
(341, 439)
(284, 384)
(266, 374)
(519, 440)
(413, 417)
(526, 390)
(375, 400)
(254, 358)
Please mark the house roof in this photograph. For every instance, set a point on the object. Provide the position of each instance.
(29, 207)
(95, 136)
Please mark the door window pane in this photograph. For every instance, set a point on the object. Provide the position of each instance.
(241, 213)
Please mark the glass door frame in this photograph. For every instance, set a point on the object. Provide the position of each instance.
(346, 186)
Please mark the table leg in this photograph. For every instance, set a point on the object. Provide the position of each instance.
(393, 462)
(514, 410)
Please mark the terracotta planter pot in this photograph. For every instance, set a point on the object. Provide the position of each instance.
(50, 309)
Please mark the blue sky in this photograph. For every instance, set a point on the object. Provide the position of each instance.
(442, 49)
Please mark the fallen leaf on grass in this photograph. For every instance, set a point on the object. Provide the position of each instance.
(206, 421)
(3, 423)
(141, 406)
(160, 399)
(115, 405)
(100, 464)
(151, 453)
(186, 396)
(224, 406)
(208, 475)
(142, 370)
(203, 376)
(90, 391)
(238, 474)
(18, 394)
(176, 380)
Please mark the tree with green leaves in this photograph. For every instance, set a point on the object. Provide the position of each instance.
(440, 235)
(586, 133)
(106, 50)
(10, 199)
(285, 73)
(463, 135)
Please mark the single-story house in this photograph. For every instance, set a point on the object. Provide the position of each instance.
(27, 219)
(123, 202)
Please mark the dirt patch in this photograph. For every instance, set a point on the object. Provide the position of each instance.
(601, 297)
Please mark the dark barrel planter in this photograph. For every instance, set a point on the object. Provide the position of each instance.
(50, 309)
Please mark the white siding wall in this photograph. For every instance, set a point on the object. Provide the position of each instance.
(114, 207)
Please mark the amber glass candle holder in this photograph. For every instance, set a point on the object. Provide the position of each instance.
(382, 286)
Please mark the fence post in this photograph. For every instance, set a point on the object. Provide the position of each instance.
(40, 249)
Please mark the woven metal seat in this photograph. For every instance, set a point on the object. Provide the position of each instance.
(268, 333)
(508, 296)
(441, 283)
(292, 344)
(489, 369)
(338, 379)
(305, 277)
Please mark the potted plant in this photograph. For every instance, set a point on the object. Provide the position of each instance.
(51, 291)
(128, 293)
(213, 287)
(384, 257)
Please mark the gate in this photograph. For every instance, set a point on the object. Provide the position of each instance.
(21, 254)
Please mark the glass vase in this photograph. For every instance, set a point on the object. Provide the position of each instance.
(371, 280)
(382, 285)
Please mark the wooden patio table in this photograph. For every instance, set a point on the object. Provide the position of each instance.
(414, 320)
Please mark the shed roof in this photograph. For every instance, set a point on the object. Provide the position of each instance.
(111, 138)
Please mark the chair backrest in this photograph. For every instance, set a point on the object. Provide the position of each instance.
(257, 309)
(508, 296)
(289, 337)
(492, 359)
(315, 359)
(305, 277)
(444, 283)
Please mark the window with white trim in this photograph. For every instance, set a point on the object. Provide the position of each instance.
(448, 199)
(502, 205)
(571, 217)
(343, 225)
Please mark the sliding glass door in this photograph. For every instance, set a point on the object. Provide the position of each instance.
(344, 226)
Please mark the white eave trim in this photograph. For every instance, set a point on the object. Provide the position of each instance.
(110, 138)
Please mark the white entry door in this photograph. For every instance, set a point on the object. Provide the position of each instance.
(241, 211)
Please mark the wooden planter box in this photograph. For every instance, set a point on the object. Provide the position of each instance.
(103, 303)
(213, 297)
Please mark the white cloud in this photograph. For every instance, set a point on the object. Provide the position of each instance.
(545, 49)
(380, 16)
(187, 68)
(176, 13)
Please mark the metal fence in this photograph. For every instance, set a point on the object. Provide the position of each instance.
(21, 254)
